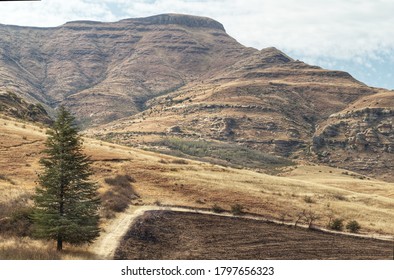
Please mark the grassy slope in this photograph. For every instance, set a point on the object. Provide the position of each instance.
(161, 178)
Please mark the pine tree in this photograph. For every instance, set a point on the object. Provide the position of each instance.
(66, 202)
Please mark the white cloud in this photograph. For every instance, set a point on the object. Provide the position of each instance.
(309, 29)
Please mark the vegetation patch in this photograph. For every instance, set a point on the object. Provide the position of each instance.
(353, 226)
(220, 153)
(336, 224)
(15, 217)
(237, 209)
(217, 209)
(119, 195)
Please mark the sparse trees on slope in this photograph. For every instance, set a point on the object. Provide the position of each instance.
(66, 201)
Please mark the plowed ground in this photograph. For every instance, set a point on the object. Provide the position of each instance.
(176, 235)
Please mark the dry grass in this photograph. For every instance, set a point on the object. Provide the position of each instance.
(370, 202)
(26, 249)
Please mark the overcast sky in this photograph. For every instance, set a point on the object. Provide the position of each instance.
(352, 35)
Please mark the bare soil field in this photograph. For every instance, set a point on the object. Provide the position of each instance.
(179, 235)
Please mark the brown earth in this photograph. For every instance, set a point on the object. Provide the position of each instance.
(176, 235)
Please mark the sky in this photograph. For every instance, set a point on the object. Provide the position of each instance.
(356, 36)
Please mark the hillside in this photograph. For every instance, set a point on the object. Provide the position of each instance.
(164, 180)
(179, 84)
(167, 180)
(105, 71)
(361, 135)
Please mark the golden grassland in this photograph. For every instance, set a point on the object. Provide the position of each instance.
(166, 180)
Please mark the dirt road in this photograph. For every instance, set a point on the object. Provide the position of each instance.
(104, 247)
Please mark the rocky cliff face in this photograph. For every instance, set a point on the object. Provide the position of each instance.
(361, 136)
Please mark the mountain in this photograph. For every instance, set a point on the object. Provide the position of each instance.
(180, 83)
(105, 71)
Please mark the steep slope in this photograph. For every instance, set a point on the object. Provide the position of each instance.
(104, 71)
(267, 102)
(361, 135)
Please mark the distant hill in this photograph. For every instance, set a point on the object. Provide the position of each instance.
(148, 81)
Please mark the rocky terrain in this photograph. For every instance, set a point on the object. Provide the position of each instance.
(145, 82)
(14, 106)
(360, 136)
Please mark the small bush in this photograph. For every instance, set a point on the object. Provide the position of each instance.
(336, 224)
(179, 161)
(237, 209)
(308, 199)
(217, 209)
(200, 201)
(120, 194)
(157, 202)
(353, 226)
(340, 197)
(120, 181)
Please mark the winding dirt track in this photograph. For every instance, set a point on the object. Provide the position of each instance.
(104, 247)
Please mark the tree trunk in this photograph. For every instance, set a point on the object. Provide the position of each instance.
(59, 243)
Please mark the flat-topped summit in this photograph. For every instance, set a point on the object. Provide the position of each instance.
(180, 19)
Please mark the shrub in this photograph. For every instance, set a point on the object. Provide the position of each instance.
(237, 209)
(340, 197)
(308, 199)
(217, 209)
(157, 202)
(179, 161)
(336, 224)
(15, 217)
(120, 194)
(353, 226)
(120, 181)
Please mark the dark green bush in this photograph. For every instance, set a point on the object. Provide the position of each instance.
(217, 209)
(237, 209)
(353, 226)
(336, 224)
